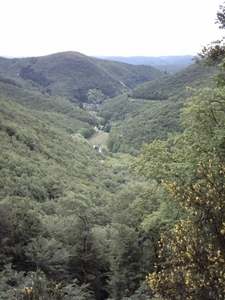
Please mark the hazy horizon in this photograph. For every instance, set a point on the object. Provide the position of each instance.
(102, 56)
(107, 27)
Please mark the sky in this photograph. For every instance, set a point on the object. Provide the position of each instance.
(107, 27)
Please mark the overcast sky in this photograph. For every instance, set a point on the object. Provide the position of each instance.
(107, 27)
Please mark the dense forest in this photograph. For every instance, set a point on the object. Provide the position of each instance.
(112, 193)
(72, 74)
(153, 109)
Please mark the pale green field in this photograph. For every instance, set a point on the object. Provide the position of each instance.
(100, 138)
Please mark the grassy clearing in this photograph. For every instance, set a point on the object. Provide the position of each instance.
(99, 139)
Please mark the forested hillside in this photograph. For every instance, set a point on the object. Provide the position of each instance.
(52, 110)
(67, 222)
(174, 85)
(152, 110)
(72, 74)
(142, 218)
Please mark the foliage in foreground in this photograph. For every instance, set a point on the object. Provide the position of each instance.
(191, 167)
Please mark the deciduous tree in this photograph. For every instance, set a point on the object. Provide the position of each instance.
(193, 256)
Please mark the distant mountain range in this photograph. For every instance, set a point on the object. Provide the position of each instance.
(169, 64)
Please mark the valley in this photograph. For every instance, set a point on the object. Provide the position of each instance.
(103, 165)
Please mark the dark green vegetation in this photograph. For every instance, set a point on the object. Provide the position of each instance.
(190, 168)
(174, 86)
(72, 74)
(152, 110)
(137, 121)
(168, 64)
(78, 223)
(67, 225)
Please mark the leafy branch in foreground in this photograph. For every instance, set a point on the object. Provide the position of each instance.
(192, 168)
(193, 251)
(214, 53)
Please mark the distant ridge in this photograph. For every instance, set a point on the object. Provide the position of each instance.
(170, 64)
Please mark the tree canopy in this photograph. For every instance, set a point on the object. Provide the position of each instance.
(190, 167)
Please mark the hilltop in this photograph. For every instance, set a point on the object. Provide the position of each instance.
(72, 74)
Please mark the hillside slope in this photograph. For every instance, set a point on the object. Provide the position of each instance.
(174, 85)
(73, 219)
(54, 111)
(60, 204)
(152, 110)
(72, 74)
